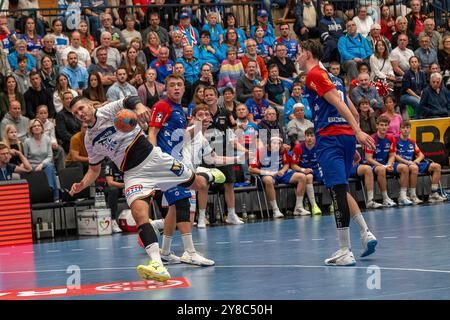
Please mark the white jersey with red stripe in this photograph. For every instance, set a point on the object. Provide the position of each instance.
(104, 140)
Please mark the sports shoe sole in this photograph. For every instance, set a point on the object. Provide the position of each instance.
(145, 273)
(370, 248)
(218, 175)
(198, 263)
(341, 265)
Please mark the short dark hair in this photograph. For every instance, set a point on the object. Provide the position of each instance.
(211, 88)
(205, 33)
(383, 119)
(405, 123)
(20, 59)
(200, 107)
(309, 131)
(228, 89)
(314, 47)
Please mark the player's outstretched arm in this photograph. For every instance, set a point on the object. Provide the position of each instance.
(88, 179)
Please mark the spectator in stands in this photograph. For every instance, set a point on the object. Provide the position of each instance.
(49, 131)
(382, 160)
(444, 58)
(62, 85)
(37, 95)
(425, 53)
(196, 100)
(245, 85)
(48, 73)
(232, 41)
(413, 83)
(113, 191)
(163, 65)
(113, 55)
(367, 121)
(10, 139)
(38, 151)
(78, 156)
(256, 104)
(400, 56)
(363, 22)
(7, 169)
(285, 65)
(435, 100)
(262, 20)
(263, 49)
(83, 55)
(93, 10)
(380, 64)
(435, 36)
(137, 44)
(229, 21)
(31, 37)
(296, 97)
(106, 71)
(335, 70)
(353, 48)
(176, 47)
(117, 40)
(61, 40)
(251, 55)
(214, 28)
(95, 90)
(375, 36)
(178, 69)
(48, 49)
(395, 119)
(291, 45)
(402, 29)
(151, 91)
(86, 39)
(190, 33)
(228, 101)
(22, 76)
(76, 74)
(191, 64)
(272, 164)
(364, 89)
(416, 19)
(277, 90)
(152, 47)
(307, 19)
(208, 53)
(297, 126)
(154, 26)
(135, 70)
(10, 94)
(66, 123)
(409, 154)
(330, 30)
(121, 88)
(130, 32)
(387, 22)
(230, 70)
(7, 37)
(206, 77)
(20, 52)
(269, 126)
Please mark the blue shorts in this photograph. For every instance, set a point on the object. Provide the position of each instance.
(284, 179)
(176, 193)
(335, 156)
(424, 166)
(393, 172)
(317, 175)
(354, 171)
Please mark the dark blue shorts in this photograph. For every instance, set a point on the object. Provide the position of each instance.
(335, 156)
(176, 193)
(317, 175)
(284, 179)
(354, 170)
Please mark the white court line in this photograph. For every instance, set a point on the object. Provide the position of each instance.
(247, 241)
(223, 242)
(51, 251)
(318, 239)
(390, 237)
(295, 240)
(440, 236)
(101, 248)
(415, 237)
(269, 241)
(198, 243)
(129, 247)
(77, 249)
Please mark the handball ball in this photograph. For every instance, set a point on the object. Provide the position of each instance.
(125, 120)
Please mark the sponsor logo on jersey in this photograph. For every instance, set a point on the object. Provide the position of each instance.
(177, 168)
(159, 117)
(136, 188)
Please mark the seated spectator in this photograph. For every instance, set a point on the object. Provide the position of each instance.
(425, 53)
(10, 94)
(214, 28)
(380, 64)
(49, 131)
(395, 119)
(117, 41)
(62, 85)
(335, 70)
(413, 83)
(246, 84)
(400, 56)
(48, 49)
(178, 69)
(38, 151)
(257, 105)
(296, 127)
(77, 75)
(7, 36)
(176, 47)
(272, 164)
(191, 65)
(95, 90)
(402, 29)
(331, 29)
(382, 160)
(66, 123)
(152, 46)
(375, 36)
(83, 55)
(285, 65)
(270, 127)
(93, 10)
(150, 91)
(48, 73)
(229, 21)
(364, 89)
(163, 65)
(86, 39)
(232, 41)
(353, 48)
(121, 88)
(251, 55)
(106, 71)
(409, 154)
(291, 45)
(137, 44)
(435, 36)
(113, 55)
(364, 22)
(114, 190)
(230, 71)
(196, 100)
(15, 117)
(135, 70)
(37, 95)
(387, 23)
(367, 121)
(263, 49)
(33, 40)
(435, 100)
(277, 90)
(130, 32)
(190, 33)
(228, 101)
(60, 39)
(22, 76)
(307, 18)
(20, 52)
(78, 156)
(6, 168)
(154, 26)
(262, 17)
(10, 139)
(416, 18)
(444, 58)
(208, 53)
(296, 97)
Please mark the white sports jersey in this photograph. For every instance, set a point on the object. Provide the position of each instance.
(195, 148)
(104, 140)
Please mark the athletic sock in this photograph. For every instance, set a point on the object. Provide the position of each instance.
(201, 213)
(166, 244)
(310, 193)
(188, 244)
(402, 193)
(359, 219)
(274, 205)
(344, 238)
(369, 195)
(153, 252)
(412, 192)
(385, 195)
(299, 202)
(434, 188)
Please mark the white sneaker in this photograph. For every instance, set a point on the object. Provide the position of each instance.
(169, 258)
(115, 227)
(196, 258)
(341, 258)
(416, 200)
(404, 202)
(435, 197)
(389, 203)
(373, 205)
(201, 223)
(301, 212)
(233, 219)
(368, 244)
(277, 214)
(158, 224)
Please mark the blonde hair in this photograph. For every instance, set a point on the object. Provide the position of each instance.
(32, 122)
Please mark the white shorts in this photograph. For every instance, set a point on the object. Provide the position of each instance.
(158, 171)
(192, 201)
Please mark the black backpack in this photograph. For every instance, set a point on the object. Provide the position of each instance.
(435, 151)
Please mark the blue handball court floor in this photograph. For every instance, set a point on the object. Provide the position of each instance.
(270, 260)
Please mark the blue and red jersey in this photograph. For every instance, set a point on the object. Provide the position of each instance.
(327, 119)
(291, 46)
(170, 119)
(407, 149)
(305, 157)
(383, 147)
(163, 69)
(257, 109)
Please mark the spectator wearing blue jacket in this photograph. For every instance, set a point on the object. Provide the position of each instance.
(21, 51)
(191, 64)
(215, 29)
(435, 100)
(353, 48)
(163, 65)
(77, 75)
(229, 21)
(296, 97)
(208, 53)
(269, 32)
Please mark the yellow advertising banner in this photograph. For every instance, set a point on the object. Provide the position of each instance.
(431, 130)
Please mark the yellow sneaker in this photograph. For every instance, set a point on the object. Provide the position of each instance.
(316, 210)
(218, 175)
(153, 271)
(331, 209)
